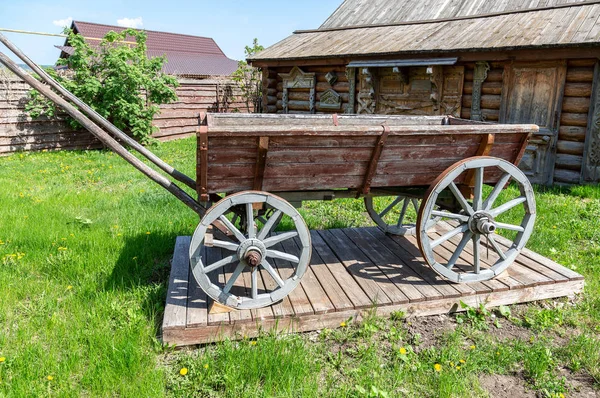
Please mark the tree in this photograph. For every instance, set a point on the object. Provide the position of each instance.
(116, 79)
(249, 79)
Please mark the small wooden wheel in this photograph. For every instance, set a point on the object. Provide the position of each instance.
(456, 253)
(246, 268)
(391, 216)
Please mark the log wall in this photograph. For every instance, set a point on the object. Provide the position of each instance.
(574, 121)
(19, 132)
(298, 98)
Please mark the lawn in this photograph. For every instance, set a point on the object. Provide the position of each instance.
(85, 243)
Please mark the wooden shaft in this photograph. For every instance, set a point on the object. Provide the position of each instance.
(99, 119)
(103, 136)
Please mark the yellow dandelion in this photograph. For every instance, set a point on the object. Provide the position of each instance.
(561, 395)
(183, 371)
(437, 367)
(472, 347)
(72, 235)
(497, 352)
(148, 233)
(2, 359)
(62, 249)
(119, 234)
(50, 378)
(343, 324)
(554, 227)
(253, 343)
(403, 351)
(206, 366)
(69, 287)
(458, 368)
(452, 364)
(462, 361)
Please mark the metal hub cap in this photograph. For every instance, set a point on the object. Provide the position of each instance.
(482, 223)
(252, 251)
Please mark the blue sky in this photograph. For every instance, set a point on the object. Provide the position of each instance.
(233, 24)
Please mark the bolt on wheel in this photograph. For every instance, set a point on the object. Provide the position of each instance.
(461, 253)
(253, 266)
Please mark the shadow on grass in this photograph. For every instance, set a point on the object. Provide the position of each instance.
(144, 264)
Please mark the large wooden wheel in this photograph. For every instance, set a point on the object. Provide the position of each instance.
(461, 253)
(391, 214)
(248, 267)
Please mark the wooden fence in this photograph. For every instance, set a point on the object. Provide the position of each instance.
(19, 132)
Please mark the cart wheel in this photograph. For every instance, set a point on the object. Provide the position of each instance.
(245, 268)
(474, 226)
(392, 216)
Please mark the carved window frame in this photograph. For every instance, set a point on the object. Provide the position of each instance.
(299, 79)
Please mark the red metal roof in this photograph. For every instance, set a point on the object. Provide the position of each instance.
(186, 55)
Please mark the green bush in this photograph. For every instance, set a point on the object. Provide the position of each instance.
(117, 79)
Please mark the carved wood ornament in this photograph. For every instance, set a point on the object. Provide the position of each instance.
(298, 79)
(479, 76)
(351, 75)
(366, 94)
(331, 100)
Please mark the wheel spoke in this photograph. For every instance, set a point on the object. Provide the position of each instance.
(250, 220)
(273, 240)
(284, 256)
(489, 202)
(266, 230)
(240, 236)
(459, 249)
(265, 264)
(403, 212)
(225, 245)
(507, 206)
(221, 263)
(510, 227)
(236, 274)
(449, 235)
(461, 199)
(477, 253)
(445, 214)
(478, 189)
(496, 246)
(254, 283)
(390, 207)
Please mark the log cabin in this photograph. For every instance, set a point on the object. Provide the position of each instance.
(505, 61)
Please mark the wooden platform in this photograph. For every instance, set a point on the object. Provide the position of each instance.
(354, 271)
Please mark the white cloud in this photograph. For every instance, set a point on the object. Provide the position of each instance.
(63, 23)
(135, 23)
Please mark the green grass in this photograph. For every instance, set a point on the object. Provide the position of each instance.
(85, 243)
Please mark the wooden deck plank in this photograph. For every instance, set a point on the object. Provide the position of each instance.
(177, 292)
(197, 306)
(338, 286)
(354, 268)
(404, 248)
(347, 283)
(398, 272)
(330, 285)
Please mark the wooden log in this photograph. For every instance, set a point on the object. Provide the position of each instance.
(570, 147)
(576, 105)
(582, 62)
(305, 96)
(567, 176)
(487, 101)
(580, 75)
(578, 90)
(574, 119)
(572, 133)
(569, 162)
(322, 87)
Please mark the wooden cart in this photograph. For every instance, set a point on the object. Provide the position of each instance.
(255, 170)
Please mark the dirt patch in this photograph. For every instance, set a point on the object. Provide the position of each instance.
(580, 384)
(425, 331)
(505, 386)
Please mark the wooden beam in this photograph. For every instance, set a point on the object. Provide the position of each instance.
(372, 170)
(261, 162)
(202, 164)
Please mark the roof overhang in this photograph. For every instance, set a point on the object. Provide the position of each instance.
(400, 63)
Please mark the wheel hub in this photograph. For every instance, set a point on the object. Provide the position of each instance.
(252, 252)
(482, 223)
